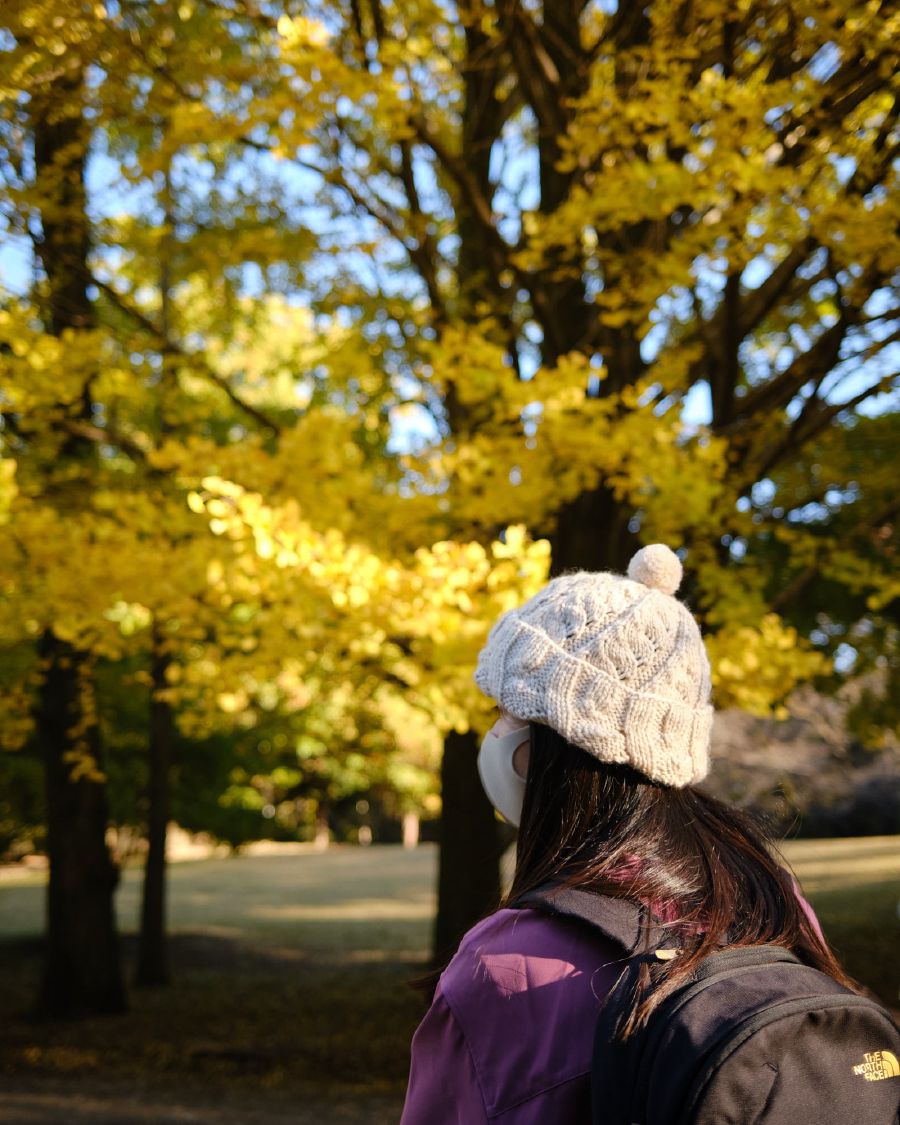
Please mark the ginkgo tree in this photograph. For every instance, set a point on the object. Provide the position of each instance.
(612, 213)
(105, 484)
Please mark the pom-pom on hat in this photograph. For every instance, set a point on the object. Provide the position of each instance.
(614, 664)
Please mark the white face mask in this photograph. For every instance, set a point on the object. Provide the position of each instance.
(504, 786)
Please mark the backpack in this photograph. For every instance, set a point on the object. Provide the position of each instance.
(755, 1037)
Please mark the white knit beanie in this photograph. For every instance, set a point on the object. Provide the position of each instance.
(615, 665)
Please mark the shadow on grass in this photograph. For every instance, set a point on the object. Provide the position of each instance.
(54, 1101)
(854, 887)
(237, 1019)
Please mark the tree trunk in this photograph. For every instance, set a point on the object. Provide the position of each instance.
(322, 839)
(592, 533)
(153, 958)
(470, 835)
(470, 847)
(82, 970)
(82, 974)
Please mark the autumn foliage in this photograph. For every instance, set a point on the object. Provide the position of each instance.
(391, 310)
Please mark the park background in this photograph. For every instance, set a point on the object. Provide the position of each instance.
(329, 331)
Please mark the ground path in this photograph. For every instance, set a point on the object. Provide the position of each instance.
(50, 1101)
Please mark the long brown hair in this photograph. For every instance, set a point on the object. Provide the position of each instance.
(705, 868)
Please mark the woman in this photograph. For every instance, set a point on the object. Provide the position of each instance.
(603, 687)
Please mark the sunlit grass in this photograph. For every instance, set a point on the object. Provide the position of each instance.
(825, 865)
(338, 902)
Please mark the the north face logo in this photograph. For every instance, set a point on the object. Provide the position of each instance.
(878, 1065)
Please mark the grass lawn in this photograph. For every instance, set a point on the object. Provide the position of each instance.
(289, 999)
(854, 886)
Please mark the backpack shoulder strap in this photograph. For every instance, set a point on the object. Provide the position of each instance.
(625, 921)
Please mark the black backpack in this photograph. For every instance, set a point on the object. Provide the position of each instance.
(754, 1038)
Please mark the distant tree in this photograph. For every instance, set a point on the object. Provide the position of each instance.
(82, 971)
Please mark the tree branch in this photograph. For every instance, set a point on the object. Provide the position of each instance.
(805, 578)
(424, 253)
(535, 70)
(195, 359)
(814, 418)
(779, 391)
(105, 436)
(478, 204)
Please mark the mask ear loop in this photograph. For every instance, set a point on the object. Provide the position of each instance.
(507, 737)
(502, 782)
(526, 741)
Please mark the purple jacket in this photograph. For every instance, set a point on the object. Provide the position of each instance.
(509, 1035)
(510, 1032)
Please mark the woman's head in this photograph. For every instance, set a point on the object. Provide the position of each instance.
(615, 665)
(604, 685)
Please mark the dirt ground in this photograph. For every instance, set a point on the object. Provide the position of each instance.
(246, 1037)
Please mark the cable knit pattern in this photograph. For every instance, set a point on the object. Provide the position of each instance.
(616, 665)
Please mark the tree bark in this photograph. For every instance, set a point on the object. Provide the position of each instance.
(81, 974)
(153, 956)
(592, 533)
(470, 847)
(153, 959)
